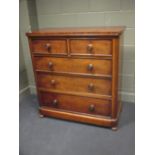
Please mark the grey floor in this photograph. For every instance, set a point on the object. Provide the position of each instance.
(48, 136)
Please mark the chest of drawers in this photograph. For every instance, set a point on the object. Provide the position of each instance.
(76, 73)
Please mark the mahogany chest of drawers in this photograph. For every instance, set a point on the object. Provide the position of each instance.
(76, 73)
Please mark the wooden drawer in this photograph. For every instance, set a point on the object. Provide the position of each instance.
(49, 46)
(91, 46)
(75, 84)
(76, 104)
(89, 66)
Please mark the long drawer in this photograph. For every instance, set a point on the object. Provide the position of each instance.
(73, 65)
(75, 84)
(76, 104)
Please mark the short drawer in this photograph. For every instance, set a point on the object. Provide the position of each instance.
(76, 104)
(49, 46)
(75, 84)
(90, 46)
(73, 65)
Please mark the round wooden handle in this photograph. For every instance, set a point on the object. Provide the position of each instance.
(52, 82)
(90, 67)
(48, 46)
(55, 102)
(89, 48)
(91, 107)
(91, 86)
(50, 64)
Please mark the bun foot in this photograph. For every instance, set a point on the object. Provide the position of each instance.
(115, 128)
(41, 116)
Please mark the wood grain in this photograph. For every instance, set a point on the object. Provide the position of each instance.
(75, 84)
(55, 46)
(74, 65)
(97, 46)
(77, 104)
(76, 73)
(83, 31)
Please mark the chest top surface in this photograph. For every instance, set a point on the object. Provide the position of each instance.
(81, 31)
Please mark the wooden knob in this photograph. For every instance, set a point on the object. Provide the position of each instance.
(90, 67)
(52, 82)
(91, 107)
(48, 46)
(55, 102)
(91, 86)
(89, 48)
(50, 64)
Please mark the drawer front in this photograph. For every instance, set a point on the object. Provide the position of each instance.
(91, 47)
(91, 66)
(49, 46)
(77, 104)
(75, 84)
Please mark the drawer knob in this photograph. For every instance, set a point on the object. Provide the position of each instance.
(91, 87)
(89, 48)
(55, 102)
(52, 82)
(91, 107)
(48, 46)
(50, 64)
(90, 67)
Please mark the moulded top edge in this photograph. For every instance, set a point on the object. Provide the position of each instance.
(82, 31)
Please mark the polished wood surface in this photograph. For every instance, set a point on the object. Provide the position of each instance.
(75, 84)
(90, 66)
(91, 46)
(49, 46)
(83, 31)
(76, 73)
(115, 72)
(77, 104)
(78, 117)
(84, 94)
